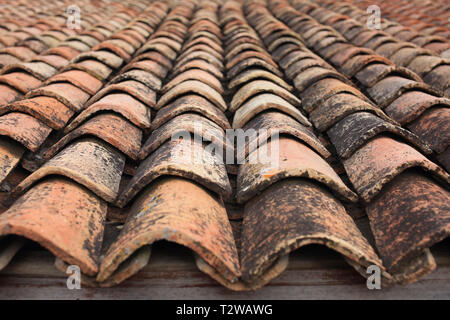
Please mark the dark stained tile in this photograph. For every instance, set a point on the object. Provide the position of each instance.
(174, 216)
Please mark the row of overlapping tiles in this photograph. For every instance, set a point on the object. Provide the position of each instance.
(426, 55)
(428, 18)
(171, 63)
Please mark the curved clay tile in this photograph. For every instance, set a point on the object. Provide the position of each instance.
(204, 16)
(90, 162)
(148, 65)
(207, 35)
(200, 48)
(198, 64)
(257, 74)
(330, 51)
(200, 55)
(181, 212)
(296, 69)
(25, 129)
(126, 36)
(187, 159)
(294, 213)
(317, 30)
(314, 74)
(405, 224)
(263, 102)
(266, 28)
(48, 110)
(282, 51)
(390, 88)
(352, 132)
(373, 73)
(410, 105)
(192, 123)
(357, 63)
(438, 78)
(110, 59)
(22, 53)
(195, 87)
(87, 40)
(424, 64)
(166, 34)
(54, 60)
(78, 78)
(316, 94)
(252, 63)
(433, 127)
(120, 48)
(121, 103)
(40, 70)
(319, 36)
(237, 34)
(208, 26)
(295, 56)
(109, 127)
(250, 54)
(190, 104)
(326, 43)
(154, 56)
(162, 48)
(194, 74)
(372, 166)
(95, 68)
(261, 86)
(204, 42)
(63, 217)
(389, 49)
(21, 81)
(324, 39)
(244, 47)
(283, 40)
(175, 45)
(378, 41)
(242, 37)
(10, 154)
(177, 29)
(279, 34)
(406, 54)
(66, 93)
(291, 159)
(131, 35)
(365, 36)
(273, 121)
(135, 89)
(144, 77)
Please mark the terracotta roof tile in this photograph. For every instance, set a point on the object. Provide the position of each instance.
(380, 158)
(174, 217)
(425, 224)
(347, 117)
(186, 122)
(109, 127)
(190, 104)
(266, 236)
(49, 110)
(69, 223)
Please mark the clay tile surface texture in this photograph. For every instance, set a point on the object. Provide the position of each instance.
(239, 130)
